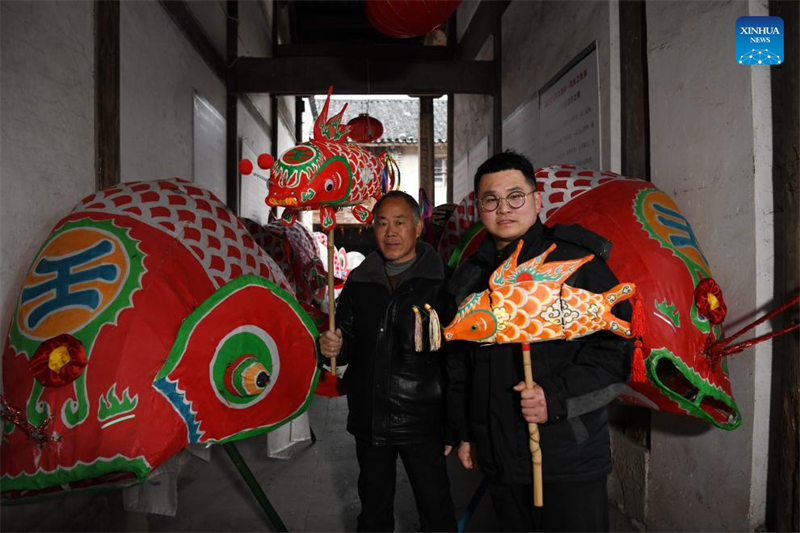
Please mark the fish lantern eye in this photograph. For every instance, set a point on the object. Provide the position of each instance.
(246, 376)
(328, 185)
(473, 327)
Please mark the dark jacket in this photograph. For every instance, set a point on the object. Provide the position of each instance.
(579, 377)
(395, 395)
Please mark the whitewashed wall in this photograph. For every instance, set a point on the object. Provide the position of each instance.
(159, 73)
(46, 128)
(707, 115)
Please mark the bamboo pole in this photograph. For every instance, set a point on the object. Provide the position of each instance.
(533, 431)
(331, 306)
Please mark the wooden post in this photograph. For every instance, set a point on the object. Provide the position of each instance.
(783, 496)
(426, 147)
(533, 431)
(232, 181)
(634, 88)
(106, 93)
(331, 306)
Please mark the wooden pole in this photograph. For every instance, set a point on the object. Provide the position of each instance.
(331, 306)
(533, 431)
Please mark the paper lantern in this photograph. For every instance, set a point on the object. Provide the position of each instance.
(409, 18)
(149, 320)
(365, 129)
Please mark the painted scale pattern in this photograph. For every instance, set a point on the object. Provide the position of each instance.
(197, 219)
(463, 218)
(296, 252)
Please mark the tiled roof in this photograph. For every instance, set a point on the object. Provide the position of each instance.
(400, 118)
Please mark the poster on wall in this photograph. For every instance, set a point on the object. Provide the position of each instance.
(209, 147)
(521, 131)
(569, 115)
(253, 189)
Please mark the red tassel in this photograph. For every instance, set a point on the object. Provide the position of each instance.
(638, 371)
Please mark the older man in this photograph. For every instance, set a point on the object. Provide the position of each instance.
(394, 393)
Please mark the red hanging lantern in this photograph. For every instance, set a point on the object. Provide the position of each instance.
(365, 129)
(409, 18)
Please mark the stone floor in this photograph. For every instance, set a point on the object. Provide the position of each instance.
(312, 490)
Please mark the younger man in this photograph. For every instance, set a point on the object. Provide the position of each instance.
(488, 405)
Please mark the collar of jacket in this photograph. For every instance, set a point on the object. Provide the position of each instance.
(489, 256)
(373, 270)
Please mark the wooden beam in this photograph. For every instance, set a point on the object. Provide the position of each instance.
(299, 106)
(634, 83)
(785, 425)
(313, 75)
(106, 93)
(481, 26)
(426, 147)
(273, 120)
(451, 106)
(497, 94)
(179, 12)
(232, 109)
(373, 51)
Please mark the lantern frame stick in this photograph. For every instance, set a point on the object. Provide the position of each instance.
(252, 483)
(331, 306)
(533, 431)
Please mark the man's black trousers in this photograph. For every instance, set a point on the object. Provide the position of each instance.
(577, 506)
(427, 471)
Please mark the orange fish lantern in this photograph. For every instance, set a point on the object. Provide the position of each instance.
(148, 320)
(530, 303)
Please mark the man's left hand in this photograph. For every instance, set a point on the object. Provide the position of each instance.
(534, 403)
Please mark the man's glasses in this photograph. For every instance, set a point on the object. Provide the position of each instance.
(515, 200)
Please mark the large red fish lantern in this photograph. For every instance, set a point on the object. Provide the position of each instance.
(149, 320)
(409, 18)
(655, 248)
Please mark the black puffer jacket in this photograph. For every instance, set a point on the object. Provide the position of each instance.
(395, 395)
(579, 377)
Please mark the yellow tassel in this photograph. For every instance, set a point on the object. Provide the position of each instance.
(434, 328)
(417, 330)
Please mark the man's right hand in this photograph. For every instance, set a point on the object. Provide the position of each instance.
(465, 455)
(330, 343)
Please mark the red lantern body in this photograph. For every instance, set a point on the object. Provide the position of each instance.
(409, 18)
(365, 129)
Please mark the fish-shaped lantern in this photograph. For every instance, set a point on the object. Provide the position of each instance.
(531, 303)
(148, 320)
(327, 173)
(296, 251)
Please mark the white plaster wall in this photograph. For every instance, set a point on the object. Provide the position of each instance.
(535, 47)
(46, 128)
(702, 120)
(159, 72)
